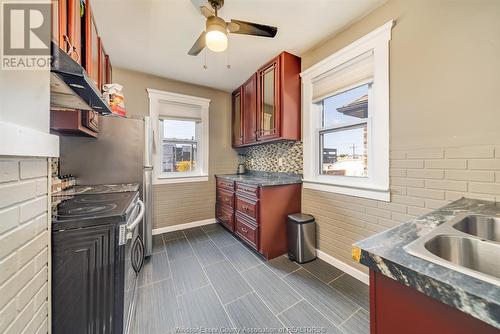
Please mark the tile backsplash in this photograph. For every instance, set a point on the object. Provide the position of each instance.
(276, 157)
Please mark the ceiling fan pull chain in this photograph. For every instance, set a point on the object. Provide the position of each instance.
(228, 65)
(205, 60)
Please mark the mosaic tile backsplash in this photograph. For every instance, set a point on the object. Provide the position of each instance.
(266, 157)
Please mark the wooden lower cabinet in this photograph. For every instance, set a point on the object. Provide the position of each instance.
(396, 308)
(258, 215)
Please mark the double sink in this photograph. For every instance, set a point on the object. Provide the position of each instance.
(468, 243)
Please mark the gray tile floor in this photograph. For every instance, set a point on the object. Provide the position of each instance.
(205, 278)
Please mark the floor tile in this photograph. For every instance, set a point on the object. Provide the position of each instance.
(240, 256)
(196, 234)
(211, 227)
(359, 323)
(173, 235)
(187, 274)
(322, 270)
(208, 253)
(228, 283)
(272, 290)
(354, 289)
(221, 237)
(250, 312)
(157, 311)
(303, 318)
(155, 269)
(201, 308)
(282, 266)
(157, 245)
(178, 249)
(334, 305)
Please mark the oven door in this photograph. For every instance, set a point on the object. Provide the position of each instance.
(134, 259)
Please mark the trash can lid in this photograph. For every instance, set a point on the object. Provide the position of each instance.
(301, 218)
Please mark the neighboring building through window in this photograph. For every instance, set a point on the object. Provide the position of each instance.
(346, 119)
(181, 131)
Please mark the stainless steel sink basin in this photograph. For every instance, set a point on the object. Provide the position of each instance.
(474, 254)
(484, 227)
(468, 243)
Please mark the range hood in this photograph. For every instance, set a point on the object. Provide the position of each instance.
(70, 86)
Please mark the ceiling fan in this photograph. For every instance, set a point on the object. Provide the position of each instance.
(215, 35)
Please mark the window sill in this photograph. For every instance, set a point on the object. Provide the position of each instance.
(180, 179)
(380, 195)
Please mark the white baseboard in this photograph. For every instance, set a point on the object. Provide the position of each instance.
(358, 274)
(178, 227)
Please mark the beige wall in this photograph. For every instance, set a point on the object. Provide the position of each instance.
(185, 202)
(444, 79)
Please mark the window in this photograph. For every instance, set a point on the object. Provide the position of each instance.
(180, 123)
(346, 119)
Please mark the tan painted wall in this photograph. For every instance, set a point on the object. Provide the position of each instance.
(444, 78)
(186, 202)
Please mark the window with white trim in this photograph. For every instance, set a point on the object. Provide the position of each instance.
(180, 126)
(346, 119)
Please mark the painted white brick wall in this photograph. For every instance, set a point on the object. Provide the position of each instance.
(24, 238)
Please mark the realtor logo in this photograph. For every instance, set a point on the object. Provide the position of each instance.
(26, 35)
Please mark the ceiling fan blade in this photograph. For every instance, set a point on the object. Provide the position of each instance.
(207, 12)
(250, 28)
(198, 45)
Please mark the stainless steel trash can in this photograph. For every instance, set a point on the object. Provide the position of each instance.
(301, 230)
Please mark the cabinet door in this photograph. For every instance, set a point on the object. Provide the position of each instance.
(91, 46)
(83, 281)
(237, 119)
(268, 102)
(102, 65)
(109, 71)
(249, 110)
(60, 23)
(74, 31)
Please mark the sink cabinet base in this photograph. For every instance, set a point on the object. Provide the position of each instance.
(396, 308)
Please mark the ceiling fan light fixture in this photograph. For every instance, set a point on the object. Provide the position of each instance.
(216, 36)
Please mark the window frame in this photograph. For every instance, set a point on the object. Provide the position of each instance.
(156, 98)
(376, 185)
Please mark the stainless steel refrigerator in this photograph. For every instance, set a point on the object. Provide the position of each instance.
(122, 153)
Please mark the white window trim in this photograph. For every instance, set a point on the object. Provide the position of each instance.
(377, 185)
(155, 98)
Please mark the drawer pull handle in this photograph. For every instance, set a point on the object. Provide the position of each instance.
(227, 200)
(244, 230)
(245, 207)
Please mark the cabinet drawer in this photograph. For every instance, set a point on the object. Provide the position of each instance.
(247, 231)
(225, 198)
(225, 217)
(225, 184)
(247, 189)
(247, 206)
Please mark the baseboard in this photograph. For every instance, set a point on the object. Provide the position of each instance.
(358, 274)
(178, 227)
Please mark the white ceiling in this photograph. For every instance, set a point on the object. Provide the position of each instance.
(154, 36)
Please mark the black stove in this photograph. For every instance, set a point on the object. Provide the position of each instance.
(86, 210)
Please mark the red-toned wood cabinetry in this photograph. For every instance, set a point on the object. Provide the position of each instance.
(257, 215)
(270, 103)
(237, 118)
(396, 308)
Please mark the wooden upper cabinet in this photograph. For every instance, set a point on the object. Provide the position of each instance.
(270, 103)
(109, 71)
(102, 65)
(91, 63)
(249, 96)
(60, 23)
(74, 31)
(237, 118)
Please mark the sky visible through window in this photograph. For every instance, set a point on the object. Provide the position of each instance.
(343, 140)
(176, 129)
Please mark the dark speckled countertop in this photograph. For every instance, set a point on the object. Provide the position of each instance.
(384, 253)
(263, 179)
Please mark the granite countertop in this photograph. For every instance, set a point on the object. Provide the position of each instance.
(384, 253)
(263, 179)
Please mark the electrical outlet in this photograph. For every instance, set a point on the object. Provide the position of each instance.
(280, 162)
